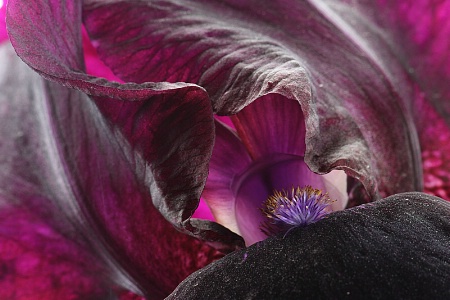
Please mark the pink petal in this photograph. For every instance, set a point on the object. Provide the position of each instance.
(229, 159)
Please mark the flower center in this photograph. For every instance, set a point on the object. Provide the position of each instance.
(279, 172)
(297, 208)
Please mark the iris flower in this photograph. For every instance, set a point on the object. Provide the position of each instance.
(229, 101)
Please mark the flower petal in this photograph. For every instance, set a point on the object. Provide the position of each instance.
(61, 158)
(169, 125)
(421, 30)
(37, 262)
(396, 248)
(340, 75)
(3, 34)
(270, 125)
(229, 159)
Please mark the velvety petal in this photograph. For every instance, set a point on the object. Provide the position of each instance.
(169, 125)
(271, 125)
(396, 248)
(61, 158)
(305, 50)
(229, 159)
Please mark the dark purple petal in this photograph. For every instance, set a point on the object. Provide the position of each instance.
(396, 248)
(43, 251)
(355, 96)
(61, 158)
(421, 30)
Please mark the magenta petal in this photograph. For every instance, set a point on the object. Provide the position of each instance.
(3, 34)
(61, 158)
(37, 262)
(421, 30)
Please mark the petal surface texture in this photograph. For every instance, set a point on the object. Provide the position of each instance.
(395, 248)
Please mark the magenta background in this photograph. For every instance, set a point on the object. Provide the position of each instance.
(3, 35)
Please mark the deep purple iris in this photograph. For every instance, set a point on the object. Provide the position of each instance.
(99, 177)
(252, 159)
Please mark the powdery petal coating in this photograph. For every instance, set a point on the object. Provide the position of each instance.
(341, 76)
(270, 125)
(395, 248)
(61, 159)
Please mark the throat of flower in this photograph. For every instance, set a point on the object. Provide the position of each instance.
(298, 207)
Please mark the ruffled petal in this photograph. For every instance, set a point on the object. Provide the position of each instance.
(61, 158)
(341, 76)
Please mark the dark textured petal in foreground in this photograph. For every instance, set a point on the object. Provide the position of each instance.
(396, 248)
